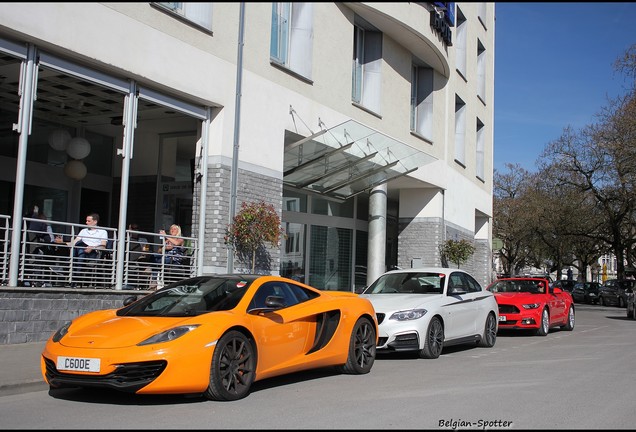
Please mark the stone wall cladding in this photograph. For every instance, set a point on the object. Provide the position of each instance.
(421, 237)
(34, 314)
(251, 187)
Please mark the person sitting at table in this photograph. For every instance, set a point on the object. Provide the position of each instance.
(85, 245)
(173, 246)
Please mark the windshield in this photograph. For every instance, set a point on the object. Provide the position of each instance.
(191, 297)
(522, 285)
(414, 283)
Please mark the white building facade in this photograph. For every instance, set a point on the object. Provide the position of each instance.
(369, 126)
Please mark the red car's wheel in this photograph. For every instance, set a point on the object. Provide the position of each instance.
(569, 325)
(544, 326)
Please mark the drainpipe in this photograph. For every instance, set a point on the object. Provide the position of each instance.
(203, 163)
(28, 83)
(237, 121)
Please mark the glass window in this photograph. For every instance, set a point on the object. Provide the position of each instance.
(479, 150)
(481, 71)
(460, 43)
(460, 130)
(293, 253)
(198, 13)
(292, 36)
(330, 258)
(332, 208)
(422, 101)
(367, 61)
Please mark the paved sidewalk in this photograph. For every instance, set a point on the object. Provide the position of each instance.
(20, 368)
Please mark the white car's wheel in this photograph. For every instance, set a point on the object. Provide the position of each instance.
(489, 337)
(434, 341)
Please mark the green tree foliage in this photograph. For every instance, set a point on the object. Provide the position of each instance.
(580, 204)
(457, 251)
(254, 226)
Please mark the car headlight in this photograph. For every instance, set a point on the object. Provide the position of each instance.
(407, 315)
(169, 335)
(61, 332)
(531, 305)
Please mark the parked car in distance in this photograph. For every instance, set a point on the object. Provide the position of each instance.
(426, 309)
(213, 335)
(564, 284)
(532, 304)
(613, 292)
(586, 292)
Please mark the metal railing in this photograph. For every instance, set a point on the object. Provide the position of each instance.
(48, 263)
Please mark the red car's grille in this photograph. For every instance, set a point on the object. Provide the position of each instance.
(507, 309)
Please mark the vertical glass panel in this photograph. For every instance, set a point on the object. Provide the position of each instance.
(293, 253)
(330, 258)
(332, 208)
(362, 245)
(294, 201)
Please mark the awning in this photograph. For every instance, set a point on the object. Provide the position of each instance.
(347, 159)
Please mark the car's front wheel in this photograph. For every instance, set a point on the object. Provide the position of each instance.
(233, 368)
(601, 302)
(434, 341)
(621, 302)
(544, 326)
(361, 348)
(489, 336)
(569, 325)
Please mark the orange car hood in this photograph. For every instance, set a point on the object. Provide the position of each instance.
(104, 329)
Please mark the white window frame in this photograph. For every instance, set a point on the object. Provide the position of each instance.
(481, 71)
(480, 149)
(292, 37)
(199, 14)
(422, 86)
(460, 43)
(460, 130)
(367, 68)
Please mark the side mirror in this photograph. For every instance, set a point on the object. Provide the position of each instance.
(130, 300)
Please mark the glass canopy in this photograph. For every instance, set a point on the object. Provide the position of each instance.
(347, 159)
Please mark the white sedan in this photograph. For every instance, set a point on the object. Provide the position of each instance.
(426, 309)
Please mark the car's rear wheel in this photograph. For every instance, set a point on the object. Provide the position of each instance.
(434, 342)
(361, 348)
(233, 368)
(489, 337)
(569, 325)
(544, 326)
(601, 302)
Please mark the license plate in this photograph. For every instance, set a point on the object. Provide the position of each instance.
(502, 317)
(78, 364)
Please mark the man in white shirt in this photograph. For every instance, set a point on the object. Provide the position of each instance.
(86, 243)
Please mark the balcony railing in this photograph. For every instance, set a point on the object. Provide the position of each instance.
(49, 264)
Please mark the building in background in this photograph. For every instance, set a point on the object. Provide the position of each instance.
(369, 125)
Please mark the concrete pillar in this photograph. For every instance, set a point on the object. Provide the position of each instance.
(377, 233)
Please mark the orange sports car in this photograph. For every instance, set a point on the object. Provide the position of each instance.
(213, 335)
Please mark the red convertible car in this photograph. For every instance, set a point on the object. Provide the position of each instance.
(530, 303)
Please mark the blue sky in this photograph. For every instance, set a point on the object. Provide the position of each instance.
(553, 69)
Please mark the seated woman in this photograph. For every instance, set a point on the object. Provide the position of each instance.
(173, 246)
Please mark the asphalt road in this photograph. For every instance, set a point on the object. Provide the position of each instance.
(582, 379)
